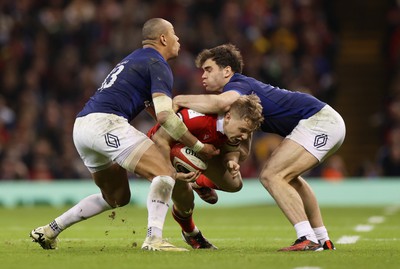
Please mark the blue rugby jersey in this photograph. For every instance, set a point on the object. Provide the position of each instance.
(127, 90)
(282, 109)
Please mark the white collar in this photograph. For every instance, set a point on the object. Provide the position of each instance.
(220, 124)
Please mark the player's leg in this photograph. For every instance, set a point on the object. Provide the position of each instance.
(309, 201)
(113, 194)
(110, 177)
(217, 173)
(205, 189)
(182, 211)
(153, 166)
(321, 135)
(286, 163)
(313, 211)
(310, 142)
(216, 177)
(98, 148)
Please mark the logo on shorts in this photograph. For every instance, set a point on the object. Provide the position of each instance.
(112, 140)
(320, 140)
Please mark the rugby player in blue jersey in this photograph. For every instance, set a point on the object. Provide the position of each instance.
(110, 147)
(312, 131)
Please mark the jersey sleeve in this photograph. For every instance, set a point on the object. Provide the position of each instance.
(153, 130)
(161, 78)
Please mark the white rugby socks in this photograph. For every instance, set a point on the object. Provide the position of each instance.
(304, 229)
(86, 208)
(157, 206)
(158, 203)
(322, 234)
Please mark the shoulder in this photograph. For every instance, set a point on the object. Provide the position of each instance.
(146, 56)
(189, 114)
(239, 83)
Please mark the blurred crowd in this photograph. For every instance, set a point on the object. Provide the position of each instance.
(55, 54)
(388, 158)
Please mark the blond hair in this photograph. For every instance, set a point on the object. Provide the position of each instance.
(248, 107)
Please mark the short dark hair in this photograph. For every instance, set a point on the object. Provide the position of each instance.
(153, 28)
(223, 55)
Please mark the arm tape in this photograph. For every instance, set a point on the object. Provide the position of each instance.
(162, 103)
(198, 146)
(174, 126)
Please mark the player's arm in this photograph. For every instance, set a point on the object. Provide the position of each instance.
(207, 103)
(231, 156)
(236, 153)
(231, 162)
(175, 128)
(163, 141)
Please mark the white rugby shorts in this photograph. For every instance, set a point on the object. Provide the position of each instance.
(321, 134)
(102, 139)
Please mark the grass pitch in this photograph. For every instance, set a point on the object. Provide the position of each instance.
(247, 237)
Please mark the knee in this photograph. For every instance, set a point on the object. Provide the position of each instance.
(239, 186)
(272, 180)
(118, 200)
(181, 189)
(235, 188)
(125, 200)
(266, 179)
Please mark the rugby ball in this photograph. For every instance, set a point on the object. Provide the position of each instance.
(185, 160)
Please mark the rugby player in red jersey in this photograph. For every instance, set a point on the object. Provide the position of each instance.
(228, 132)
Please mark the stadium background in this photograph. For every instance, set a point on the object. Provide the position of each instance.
(54, 54)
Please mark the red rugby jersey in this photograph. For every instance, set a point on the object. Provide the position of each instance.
(202, 126)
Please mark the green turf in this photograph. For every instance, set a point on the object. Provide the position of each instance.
(247, 237)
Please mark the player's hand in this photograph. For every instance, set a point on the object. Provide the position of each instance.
(233, 168)
(187, 177)
(175, 107)
(209, 151)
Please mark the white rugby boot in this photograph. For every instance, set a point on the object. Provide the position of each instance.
(153, 243)
(40, 236)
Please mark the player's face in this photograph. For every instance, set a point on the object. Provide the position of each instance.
(236, 129)
(214, 78)
(173, 41)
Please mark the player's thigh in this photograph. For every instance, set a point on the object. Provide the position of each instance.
(288, 161)
(219, 175)
(215, 170)
(152, 163)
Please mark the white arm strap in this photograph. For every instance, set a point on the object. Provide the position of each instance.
(173, 124)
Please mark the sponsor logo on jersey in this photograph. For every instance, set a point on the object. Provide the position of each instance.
(193, 114)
